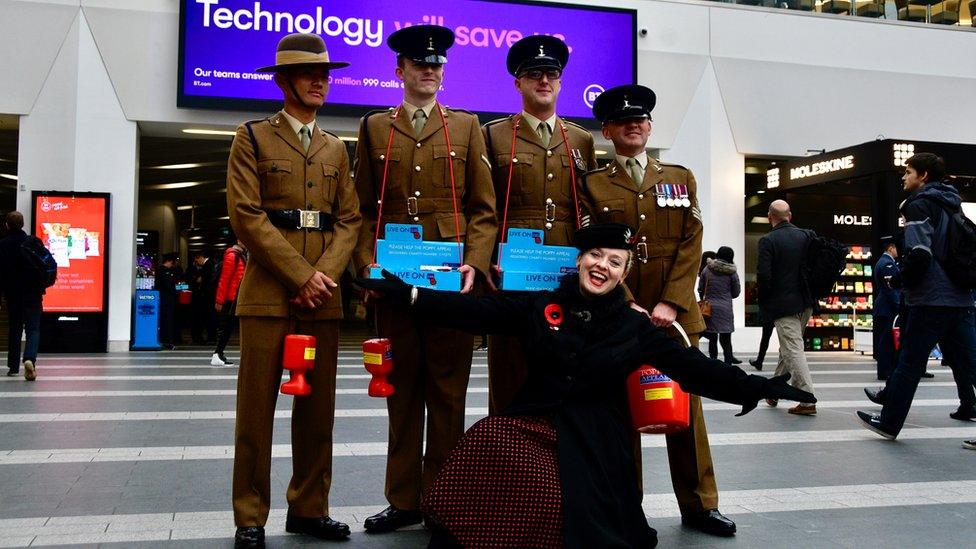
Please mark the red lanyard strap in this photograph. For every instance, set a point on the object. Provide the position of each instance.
(386, 166)
(508, 186)
(572, 172)
(450, 164)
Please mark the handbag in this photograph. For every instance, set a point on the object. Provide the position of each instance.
(704, 305)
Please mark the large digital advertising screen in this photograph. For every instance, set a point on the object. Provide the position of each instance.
(222, 42)
(74, 228)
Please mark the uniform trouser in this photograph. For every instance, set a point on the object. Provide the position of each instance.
(431, 367)
(262, 340)
(690, 461)
(507, 371)
(884, 346)
(792, 359)
(23, 317)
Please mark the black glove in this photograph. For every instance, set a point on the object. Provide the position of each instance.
(776, 388)
(390, 286)
(895, 281)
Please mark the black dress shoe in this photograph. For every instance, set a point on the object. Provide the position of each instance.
(13, 373)
(390, 519)
(710, 522)
(756, 364)
(875, 395)
(964, 413)
(319, 527)
(248, 537)
(927, 375)
(736, 361)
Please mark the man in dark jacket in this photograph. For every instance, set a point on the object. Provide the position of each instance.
(937, 309)
(783, 297)
(885, 307)
(167, 277)
(200, 276)
(23, 293)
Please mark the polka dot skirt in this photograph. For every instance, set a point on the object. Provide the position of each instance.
(500, 486)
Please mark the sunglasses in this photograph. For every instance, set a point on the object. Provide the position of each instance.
(537, 74)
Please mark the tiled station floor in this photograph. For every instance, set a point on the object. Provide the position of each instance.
(135, 450)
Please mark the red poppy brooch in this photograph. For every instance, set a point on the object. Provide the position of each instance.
(554, 315)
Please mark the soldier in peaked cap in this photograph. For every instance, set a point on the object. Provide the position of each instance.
(292, 204)
(428, 164)
(537, 187)
(659, 200)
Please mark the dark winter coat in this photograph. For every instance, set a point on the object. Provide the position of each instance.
(719, 284)
(577, 376)
(782, 291)
(15, 279)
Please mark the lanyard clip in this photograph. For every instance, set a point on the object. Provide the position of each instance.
(642, 252)
(550, 211)
(412, 205)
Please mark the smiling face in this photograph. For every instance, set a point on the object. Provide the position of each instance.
(601, 270)
(629, 135)
(420, 79)
(539, 89)
(309, 82)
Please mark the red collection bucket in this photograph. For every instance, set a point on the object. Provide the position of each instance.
(657, 403)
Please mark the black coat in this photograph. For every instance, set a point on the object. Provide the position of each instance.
(577, 376)
(782, 291)
(15, 279)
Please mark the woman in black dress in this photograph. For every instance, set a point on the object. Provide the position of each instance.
(556, 468)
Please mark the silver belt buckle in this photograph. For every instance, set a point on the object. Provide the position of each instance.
(550, 212)
(642, 252)
(309, 219)
(412, 205)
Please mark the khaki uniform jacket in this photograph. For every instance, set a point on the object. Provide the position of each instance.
(673, 236)
(280, 175)
(418, 182)
(540, 174)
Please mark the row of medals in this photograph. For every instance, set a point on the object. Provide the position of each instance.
(672, 196)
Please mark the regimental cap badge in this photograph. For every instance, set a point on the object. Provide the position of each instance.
(626, 103)
(628, 234)
(542, 51)
(430, 43)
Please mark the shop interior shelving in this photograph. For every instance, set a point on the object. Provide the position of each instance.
(831, 326)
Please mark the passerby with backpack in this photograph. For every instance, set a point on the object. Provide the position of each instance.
(229, 274)
(26, 270)
(936, 282)
(784, 296)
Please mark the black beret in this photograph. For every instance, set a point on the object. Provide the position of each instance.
(422, 43)
(622, 102)
(605, 235)
(537, 52)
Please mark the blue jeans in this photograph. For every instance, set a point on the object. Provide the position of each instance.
(955, 329)
(23, 314)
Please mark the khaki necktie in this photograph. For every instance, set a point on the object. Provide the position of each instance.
(305, 136)
(544, 134)
(635, 171)
(419, 119)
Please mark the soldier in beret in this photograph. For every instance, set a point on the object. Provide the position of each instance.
(536, 187)
(292, 204)
(659, 200)
(428, 164)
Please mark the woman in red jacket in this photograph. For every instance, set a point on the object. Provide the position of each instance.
(231, 273)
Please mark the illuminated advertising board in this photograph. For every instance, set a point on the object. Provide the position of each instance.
(222, 42)
(74, 228)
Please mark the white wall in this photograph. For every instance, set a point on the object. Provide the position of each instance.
(730, 81)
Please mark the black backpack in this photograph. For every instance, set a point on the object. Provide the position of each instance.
(39, 264)
(959, 258)
(823, 262)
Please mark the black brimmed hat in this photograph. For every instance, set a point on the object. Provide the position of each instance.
(422, 43)
(302, 49)
(605, 235)
(622, 102)
(537, 52)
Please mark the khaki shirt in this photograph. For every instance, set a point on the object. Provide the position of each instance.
(418, 181)
(669, 239)
(272, 171)
(541, 194)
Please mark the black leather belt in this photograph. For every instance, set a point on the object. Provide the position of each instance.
(313, 220)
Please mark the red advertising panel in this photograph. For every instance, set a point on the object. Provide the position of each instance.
(73, 228)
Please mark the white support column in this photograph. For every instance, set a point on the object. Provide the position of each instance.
(705, 145)
(77, 138)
